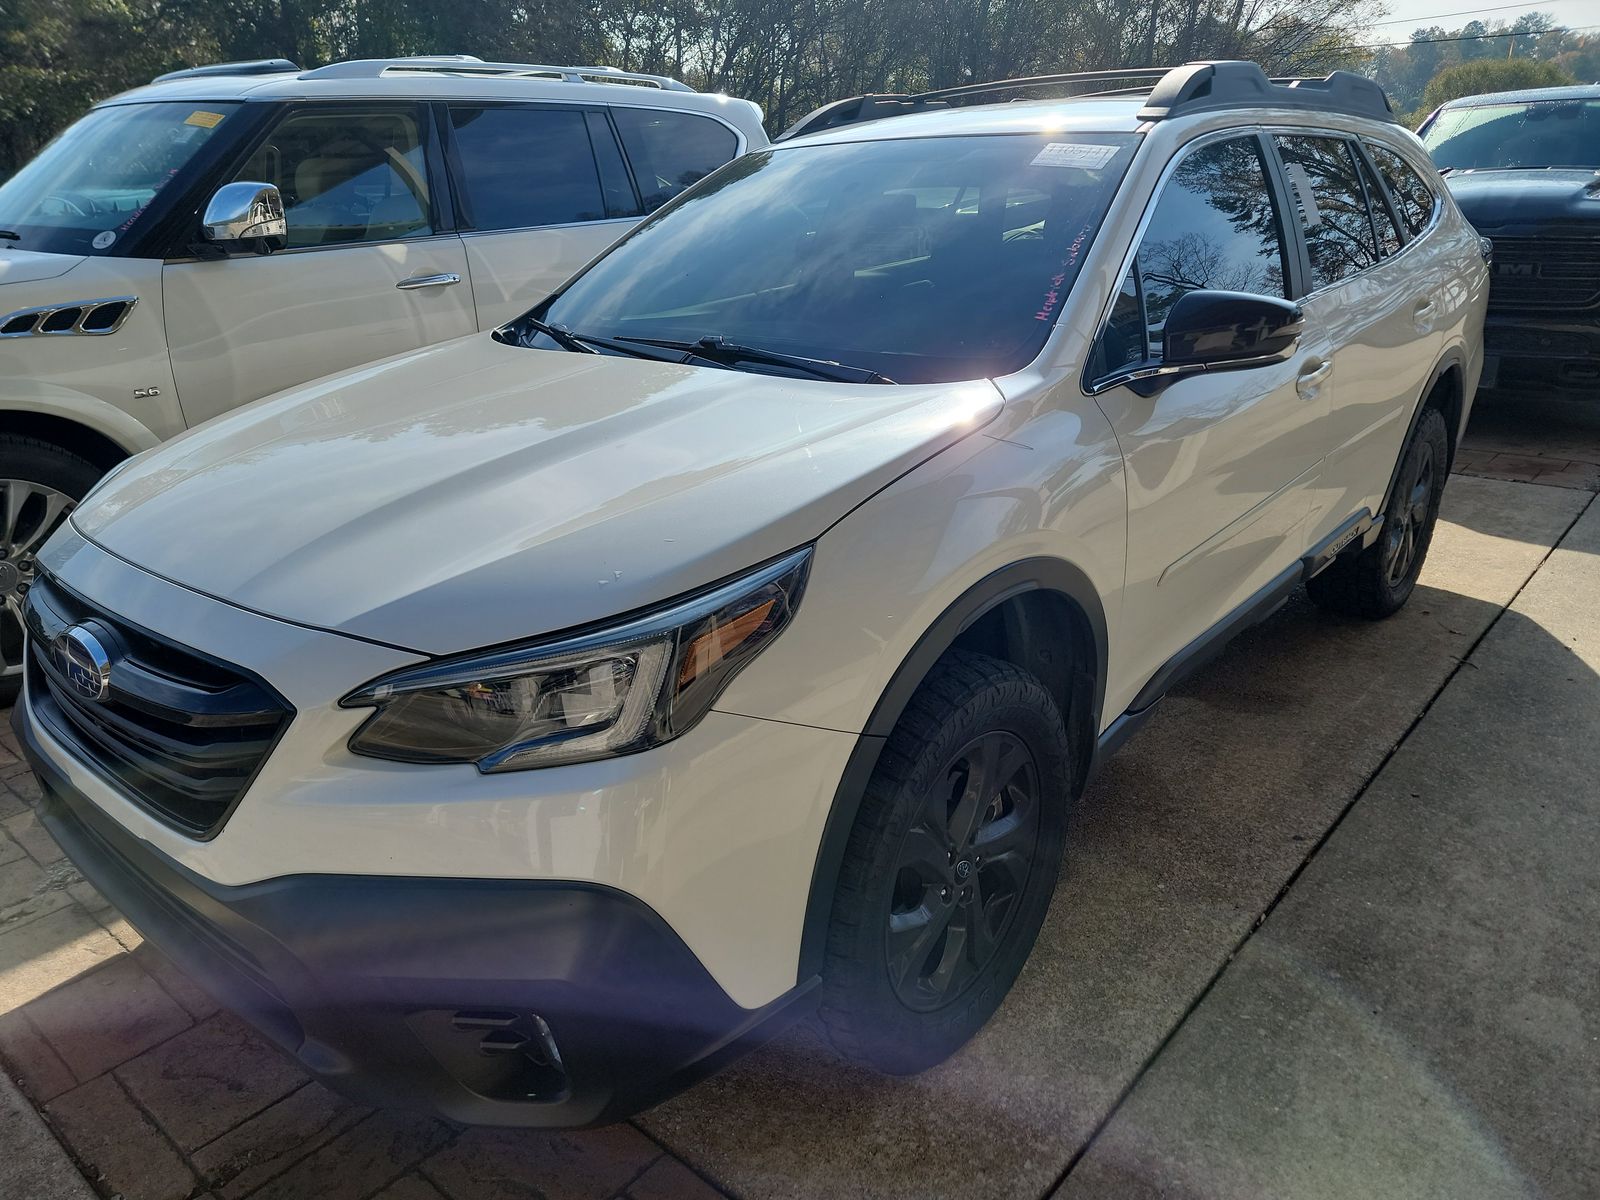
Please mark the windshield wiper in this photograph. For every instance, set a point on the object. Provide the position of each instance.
(10, 235)
(585, 343)
(559, 334)
(719, 350)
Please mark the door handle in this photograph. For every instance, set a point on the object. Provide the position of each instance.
(442, 279)
(1422, 315)
(1312, 379)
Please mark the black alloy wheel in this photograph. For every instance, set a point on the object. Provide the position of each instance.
(949, 866)
(963, 868)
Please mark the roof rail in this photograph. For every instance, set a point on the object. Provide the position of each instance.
(1173, 91)
(258, 66)
(466, 65)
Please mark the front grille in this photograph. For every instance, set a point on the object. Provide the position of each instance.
(177, 731)
(1544, 273)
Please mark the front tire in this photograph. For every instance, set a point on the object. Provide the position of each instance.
(950, 866)
(40, 483)
(1377, 581)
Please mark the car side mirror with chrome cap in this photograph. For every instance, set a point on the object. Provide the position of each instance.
(242, 212)
(1218, 331)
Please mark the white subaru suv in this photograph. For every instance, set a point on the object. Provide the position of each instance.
(233, 230)
(521, 727)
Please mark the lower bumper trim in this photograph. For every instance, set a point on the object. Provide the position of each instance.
(498, 1002)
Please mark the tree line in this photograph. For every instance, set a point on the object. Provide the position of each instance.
(1483, 56)
(59, 56)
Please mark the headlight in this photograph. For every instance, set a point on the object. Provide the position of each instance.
(589, 695)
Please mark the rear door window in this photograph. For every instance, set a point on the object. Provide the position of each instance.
(524, 166)
(1333, 208)
(1412, 195)
(670, 151)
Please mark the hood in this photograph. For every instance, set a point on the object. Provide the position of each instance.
(1495, 200)
(24, 266)
(475, 493)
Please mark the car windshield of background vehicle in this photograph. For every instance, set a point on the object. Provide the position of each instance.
(922, 259)
(1503, 137)
(86, 190)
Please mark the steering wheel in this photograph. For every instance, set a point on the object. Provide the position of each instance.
(70, 205)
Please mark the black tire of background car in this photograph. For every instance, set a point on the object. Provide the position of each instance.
(1358, 585)
(965, 697)
(42, 462)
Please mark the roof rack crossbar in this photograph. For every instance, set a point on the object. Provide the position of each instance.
(468, 65)
(257, 66)
(1209, 86)
(1174, 91)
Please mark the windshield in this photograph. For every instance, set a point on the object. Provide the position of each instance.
(87, 188)
(1544, 133)
(923, 259)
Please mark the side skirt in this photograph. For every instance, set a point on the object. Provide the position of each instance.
(1357, 533)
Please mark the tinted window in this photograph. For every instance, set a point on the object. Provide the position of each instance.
(670, 150)
(1546, 133)
(926, 259)
(621, 200)
(1389, 239)
(347, 176)
(1215, 226)
(527, 166)
(88, 188)
(1332, 207)
(1412, 195)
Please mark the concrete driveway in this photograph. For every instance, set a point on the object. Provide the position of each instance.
(1326, 930)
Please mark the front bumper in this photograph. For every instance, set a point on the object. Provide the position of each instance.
(1548, 353)
(502, 1002)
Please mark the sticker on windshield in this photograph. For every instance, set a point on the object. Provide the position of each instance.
(206, 120)
(104, 239)
(1074, 154)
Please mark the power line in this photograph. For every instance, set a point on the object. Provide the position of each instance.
(1471, 12)
(1476, 37)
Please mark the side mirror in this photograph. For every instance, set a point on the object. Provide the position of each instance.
(1221, 330)
(242, 212)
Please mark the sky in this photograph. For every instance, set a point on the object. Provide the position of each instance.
(1405, 15)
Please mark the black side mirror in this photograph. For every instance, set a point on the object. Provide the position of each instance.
(1221, 330)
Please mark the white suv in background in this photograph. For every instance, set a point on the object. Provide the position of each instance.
(523, 726)
(404, 202)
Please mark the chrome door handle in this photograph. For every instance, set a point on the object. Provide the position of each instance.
(1312, 379)
(443, 279)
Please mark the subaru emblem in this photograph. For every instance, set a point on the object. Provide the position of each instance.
(85, 663)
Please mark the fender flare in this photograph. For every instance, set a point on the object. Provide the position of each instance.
(1026, 575)
(1451, 358)
(94, 414)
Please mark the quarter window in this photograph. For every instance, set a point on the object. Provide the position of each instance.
(522, 167)
(671, 150)
(347, 176)
(1215, 226)
(1332, 206)
(1412, 195)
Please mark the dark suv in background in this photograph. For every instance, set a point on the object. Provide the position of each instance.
(1525, 169)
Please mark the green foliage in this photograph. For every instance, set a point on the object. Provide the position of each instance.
(1490, 75)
